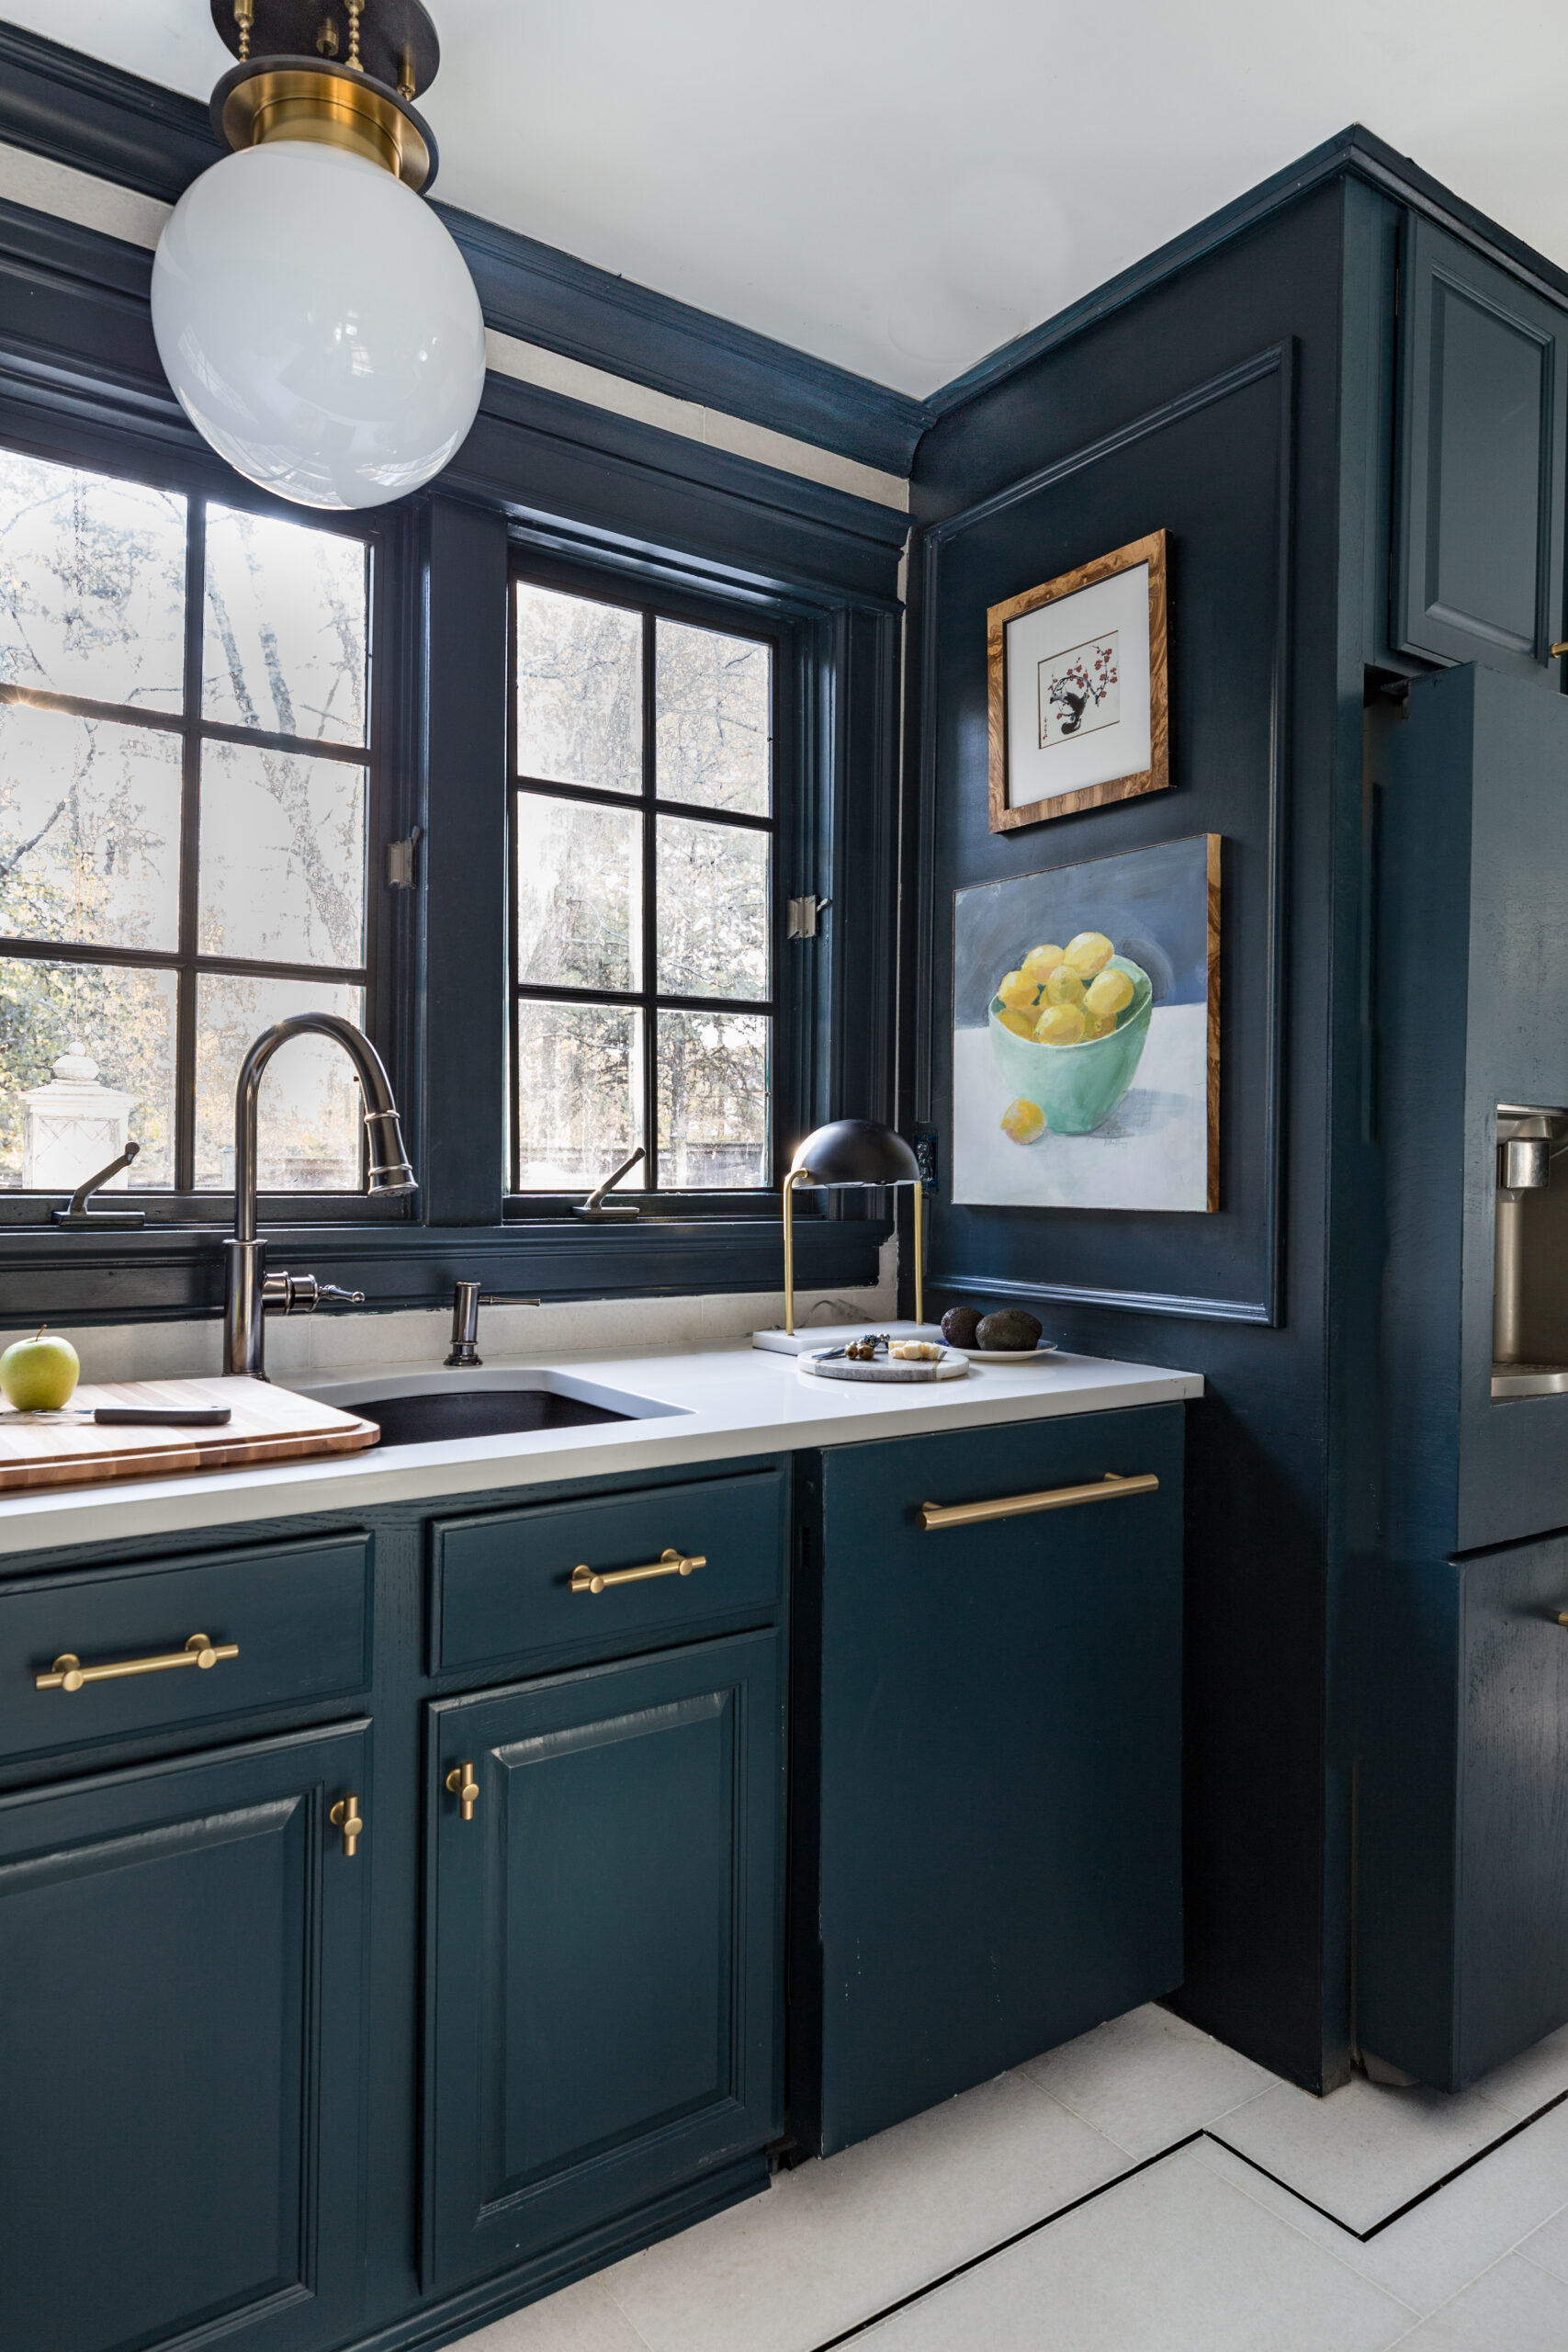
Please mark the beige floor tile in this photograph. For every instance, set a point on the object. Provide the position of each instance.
(1432, 2254)
(832, 2244)
(1172, 2260)
(1517, 2307)
(1549, 2244)
(1527, 2082)
(582, 2318)
(1148, 2078)
(1363, 2151)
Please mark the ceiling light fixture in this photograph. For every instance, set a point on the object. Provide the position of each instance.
(315, 319)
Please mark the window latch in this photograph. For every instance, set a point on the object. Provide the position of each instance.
(801, 914)
(400, 860)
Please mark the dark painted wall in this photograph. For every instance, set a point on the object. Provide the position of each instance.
(1208, 406)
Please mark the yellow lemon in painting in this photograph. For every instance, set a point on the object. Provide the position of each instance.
(1015, 990)
(1097, 1024)
(1059, 1025)
(1109, 992)
(1088, 953)
(1025, 1122)
(1039, 962)
(1063, 986)
(1020, 1024)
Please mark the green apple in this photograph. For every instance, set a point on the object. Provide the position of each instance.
(39, 1375)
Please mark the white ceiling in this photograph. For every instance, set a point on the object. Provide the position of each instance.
(902, 185)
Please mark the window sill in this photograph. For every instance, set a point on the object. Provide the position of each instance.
(170, 1271)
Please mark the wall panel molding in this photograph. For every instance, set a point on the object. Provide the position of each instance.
(932, 929)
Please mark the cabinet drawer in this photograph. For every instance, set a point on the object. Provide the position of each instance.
(502, 1586)
(296, 1615)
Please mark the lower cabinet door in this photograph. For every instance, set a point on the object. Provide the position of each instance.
(1000, 1762)
(181, 1953)
(603, 1980)
(1461, 1913)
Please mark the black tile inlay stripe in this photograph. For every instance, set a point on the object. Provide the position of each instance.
(1032, 2229)
(1363, 2237)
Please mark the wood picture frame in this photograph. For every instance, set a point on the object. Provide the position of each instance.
(1065, 649)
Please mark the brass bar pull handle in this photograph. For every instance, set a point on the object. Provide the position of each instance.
(669, 1564)
(462, 1784)
(345, 1816)
(68, 1673)
(1108, 1489)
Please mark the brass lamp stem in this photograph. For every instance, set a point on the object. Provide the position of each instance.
(796, 1176)
(920, 1251)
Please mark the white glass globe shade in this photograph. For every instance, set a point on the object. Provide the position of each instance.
(317, 325)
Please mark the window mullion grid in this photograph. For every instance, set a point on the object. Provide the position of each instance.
(650, 897)
(191, 840)
(514, 1159)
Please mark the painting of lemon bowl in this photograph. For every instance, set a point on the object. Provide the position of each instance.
(1085, 1034)
(1074, 1083)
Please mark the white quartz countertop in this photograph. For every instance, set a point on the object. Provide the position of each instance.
(711, 1404)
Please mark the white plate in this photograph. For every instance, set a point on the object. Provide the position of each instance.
(1008, 1355)
(952, 1364)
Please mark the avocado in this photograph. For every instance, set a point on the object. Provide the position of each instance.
(1010, 1330)
(959, 1326)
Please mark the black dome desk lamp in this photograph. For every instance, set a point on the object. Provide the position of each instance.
(846, 1153)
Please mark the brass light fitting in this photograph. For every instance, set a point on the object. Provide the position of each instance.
(340, 74)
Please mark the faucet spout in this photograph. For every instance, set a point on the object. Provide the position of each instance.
(247, 1287)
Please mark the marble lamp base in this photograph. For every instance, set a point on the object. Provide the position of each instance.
(834, 1335)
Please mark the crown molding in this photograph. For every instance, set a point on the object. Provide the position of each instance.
(98, 120)
(1354, 151)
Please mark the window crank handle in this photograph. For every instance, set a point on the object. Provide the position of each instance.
(302, 1294)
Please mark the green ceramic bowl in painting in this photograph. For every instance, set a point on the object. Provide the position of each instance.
(1079, 1085)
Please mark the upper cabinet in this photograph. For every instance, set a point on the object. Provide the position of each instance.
(1483, 423)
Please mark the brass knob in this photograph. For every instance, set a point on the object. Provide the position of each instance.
(460, 1780)
(345, 1816)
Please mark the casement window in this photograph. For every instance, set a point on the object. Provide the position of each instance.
(186, 767)
(642, 894)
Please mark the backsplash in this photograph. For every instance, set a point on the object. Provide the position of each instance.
(333, 1339)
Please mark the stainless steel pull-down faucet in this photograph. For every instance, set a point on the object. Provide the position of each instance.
(248, 1289)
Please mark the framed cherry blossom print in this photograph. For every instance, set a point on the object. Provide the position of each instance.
(1078, 708)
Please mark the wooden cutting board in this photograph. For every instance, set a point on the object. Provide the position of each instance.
(268, 1424)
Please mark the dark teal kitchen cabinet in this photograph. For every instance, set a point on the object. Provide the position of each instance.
(987, 1735)
(182, 2035)
(1462, 1904)
(1483, 441)
(602, 1973)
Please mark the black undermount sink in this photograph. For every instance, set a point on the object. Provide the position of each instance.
(476, 1412)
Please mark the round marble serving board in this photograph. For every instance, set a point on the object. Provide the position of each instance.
(950, 1365)
(1010, 1355)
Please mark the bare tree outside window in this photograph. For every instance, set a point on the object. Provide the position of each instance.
(172, 878)
(642, 841)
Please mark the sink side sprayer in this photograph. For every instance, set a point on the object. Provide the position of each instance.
(249, 1290)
